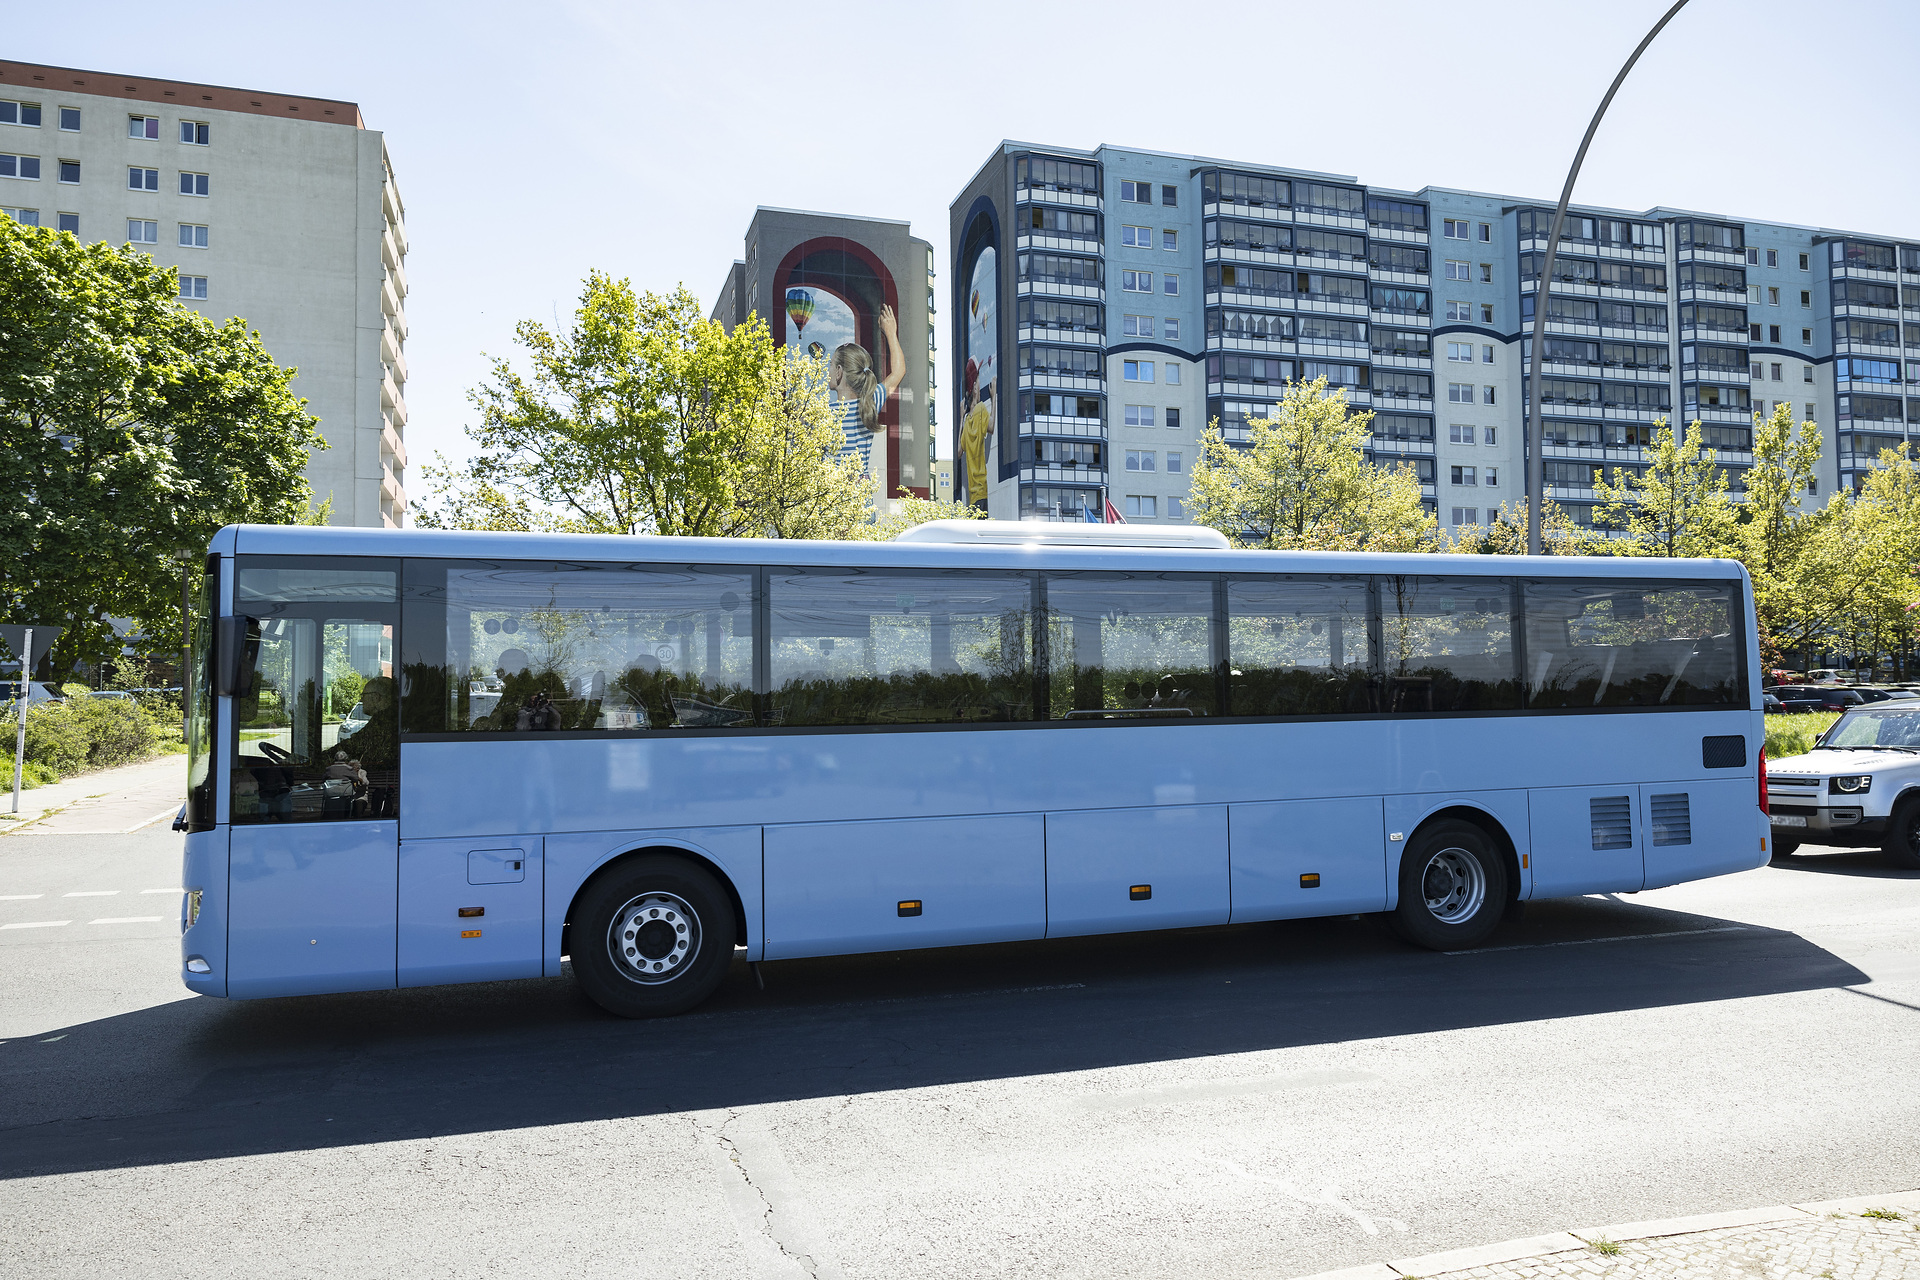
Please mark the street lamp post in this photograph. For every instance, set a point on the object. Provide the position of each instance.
(1535, 439)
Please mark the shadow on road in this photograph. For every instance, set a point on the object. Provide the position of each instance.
(1871, 863)
(200, 1078)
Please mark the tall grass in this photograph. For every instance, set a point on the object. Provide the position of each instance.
(1792, 735)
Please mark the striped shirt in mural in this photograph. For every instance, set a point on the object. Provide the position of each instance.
(859, 440)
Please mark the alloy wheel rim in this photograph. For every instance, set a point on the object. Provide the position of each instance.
(654, 937)
(1454, 885)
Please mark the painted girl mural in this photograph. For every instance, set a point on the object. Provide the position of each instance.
(860, 392)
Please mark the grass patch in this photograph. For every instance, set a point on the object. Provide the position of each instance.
(1605, 1248)
(1793, 735)
(1885, 1215)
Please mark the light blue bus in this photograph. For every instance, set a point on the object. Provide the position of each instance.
(425, 757)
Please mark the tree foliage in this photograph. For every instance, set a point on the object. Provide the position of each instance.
(641, 416)
(1506, 533)
(1679, 506)
(1301, 482)
(131, 429)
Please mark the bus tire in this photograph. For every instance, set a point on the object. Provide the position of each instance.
(652, 937)
(1902, 841)
(1453, 887)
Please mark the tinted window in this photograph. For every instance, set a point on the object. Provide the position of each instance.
(1297, 646)
(1448, 644)
(523, 647)
(850, 646)
(1611, 644)
(1129, 645)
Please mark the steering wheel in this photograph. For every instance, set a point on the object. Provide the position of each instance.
(277, 754)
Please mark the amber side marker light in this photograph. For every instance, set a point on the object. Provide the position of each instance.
(911, 907)
(1311, 880)
(1140, 892)
(469, 933)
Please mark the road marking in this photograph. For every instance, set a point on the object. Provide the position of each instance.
(20, 897)
(91, 893)
(163, 891)
(171, 810)
(1210, 1090)
(127, 920)
(37, 924)
(1588, 942)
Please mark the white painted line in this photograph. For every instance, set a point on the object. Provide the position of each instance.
(37, 924)
(1588, 942)
(167, 812)
(163, 891)
(127, 920)
(20, 897)
(91, 893)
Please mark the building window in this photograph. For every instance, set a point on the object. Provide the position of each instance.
(1169, 195)
(1493, 477)
(1136, 370)
(1806, 337)
(1136, 237)
(1486, 233)
(1460, 311)
(192, 236)
(1173, 462)
(1170, 240)
(143, 179)
(1466, 515)
(1806, 373)
(1773, 257)
(1142, 505)
(1806, 297)
(1136, 281)
(25, 217)
(1139, 415)
(1173, 373)
(1486, 395)
(1809, 413)
(1460, 435)
(1486, 313)
(70, 172)
(1489, 435)
(1176, 509)
(1139, 459)
(1173, 419)
(1136, 326)
(20, 113)
(193, 184)
(1753, 371)
(1803, 262)
(1773, 296)
(27, 167)
(193, 287)
(1457, 270)
(1753, 257)
(1170, 285)
(1773, 334)
(1136, 192)
(142, 231)
(70, 222)
(1776, 373)
(1753, 333)
(143, 127)
(1463, 476)
(1460, 352)
(1172, 333)
(1453, 229)
(1486, 273)
(1460, 393)
(70, 119)
(1486, 353)
(193, 132)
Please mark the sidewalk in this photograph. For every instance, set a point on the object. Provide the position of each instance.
(1871, 1236)
(110, 802)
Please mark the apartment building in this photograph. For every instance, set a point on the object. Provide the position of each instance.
(1133, 297)
(279, 209)
(825, 282)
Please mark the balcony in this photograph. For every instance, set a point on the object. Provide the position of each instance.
(1237, 342)
(1243, 253)
(1416, 279)
(1059, 287)
(1717, 413)
(1710, 253)
(1047, 424)
(1049, 240)
(393, 449)
(1047, 333)
(1314, 217)
(1400, 360)
(1850, 272)
(1051, 380)
(1235, 209)
(1404, 319)
(389, 299)
(1054, 195)
(1412, 403)
(1057, 473)
(1399, 235)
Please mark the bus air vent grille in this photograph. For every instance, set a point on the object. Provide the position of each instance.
(1612, 822)
(1672, 823)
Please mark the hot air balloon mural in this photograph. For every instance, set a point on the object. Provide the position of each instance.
(799, 309)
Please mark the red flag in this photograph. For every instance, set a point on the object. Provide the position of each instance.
(1113, 514)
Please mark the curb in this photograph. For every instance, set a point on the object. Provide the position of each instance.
(1488, 1255)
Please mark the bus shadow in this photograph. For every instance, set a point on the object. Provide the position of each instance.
(200, 1079)
(1869, 863)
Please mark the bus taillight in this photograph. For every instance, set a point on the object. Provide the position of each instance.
(1763, 781)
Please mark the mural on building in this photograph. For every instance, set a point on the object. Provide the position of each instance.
(980, 401)
(834, 300)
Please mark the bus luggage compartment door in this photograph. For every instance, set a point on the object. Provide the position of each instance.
(835, 888)
(1294, 858)
(311, 908)
(1586, 840)
(470, 909)
(1702, 828)
(1117, 870)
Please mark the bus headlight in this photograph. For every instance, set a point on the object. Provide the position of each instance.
(1856, 784)
(193, 908)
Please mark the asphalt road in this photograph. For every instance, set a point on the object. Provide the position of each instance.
(1267, 1100)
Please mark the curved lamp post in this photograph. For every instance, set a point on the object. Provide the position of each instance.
(1536, 439)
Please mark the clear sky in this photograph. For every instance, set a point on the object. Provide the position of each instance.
(534, 142)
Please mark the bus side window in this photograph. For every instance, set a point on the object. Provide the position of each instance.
(1448, 644)
(1615, 644)
(1297, 646)
(1126, 646)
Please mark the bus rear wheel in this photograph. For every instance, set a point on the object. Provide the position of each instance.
(1453, 887)
(652, 937)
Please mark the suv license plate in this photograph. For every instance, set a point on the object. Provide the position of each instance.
(1787, 820)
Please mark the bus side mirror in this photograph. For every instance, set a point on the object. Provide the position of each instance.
(231, 656)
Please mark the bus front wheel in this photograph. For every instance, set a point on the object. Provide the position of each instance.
(1453, 887)
(652, 937)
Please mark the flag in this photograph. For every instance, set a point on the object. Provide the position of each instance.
(1092, 515)
(1113, 514)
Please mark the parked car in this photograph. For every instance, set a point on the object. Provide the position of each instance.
(38, 692)
(1817, 698)
(1858, 786)
(1828, 675)
(115, 695)
(1885, 695)
(1770, 704)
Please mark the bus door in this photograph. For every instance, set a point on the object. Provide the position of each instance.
(315, 782)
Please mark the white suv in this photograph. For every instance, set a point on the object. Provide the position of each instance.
(1860, 785)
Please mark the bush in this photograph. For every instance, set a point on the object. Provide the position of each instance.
(115, 728)
(343, 691)
(1792, 735)
(88, 733)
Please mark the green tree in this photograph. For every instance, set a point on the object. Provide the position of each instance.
(1301, 482)
(1505, 533)
(131, 428)
(644, 417)
(1678, 507)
